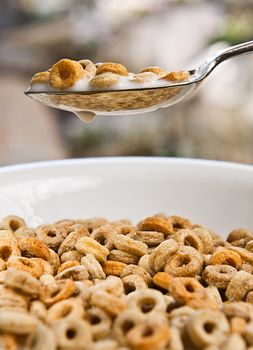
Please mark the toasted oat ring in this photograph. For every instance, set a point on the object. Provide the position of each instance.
(238, 325)
(54, 260)
(249, 246)
(17, 322)
(124, 322)
(8, 342)
(190, 238)
(227, 257)
(142, 78)
(144, 262)
(105, 235)
(125, 228)
(248, 334)
(89, 67)
(60, 290)
(187, 262)
(124, 257)
(162, 280)
(151, 238)
(2, 265)
(65, 73)
(148, 336)
(93, 267)
(218, 275)
(24, 232)
(154, 69)
(213, 294)
(71, 255)
(146, 301)
(82, 290)
(112, 285)
(183, 289)
(71, 333)
(94, 223)
(218, 242)
(207, 327)
(129, 245)
(76, 273)
(71, 307)
(178, 222)
(114, 268)
(240, 309)
(22, 281)
(133, 283)
(88, 245)
(33, 247)
(156, 223)
(42, 338)
(157, 317)
(136, 270)
(203, 304)
(179, 317)
(65, 227)
(51, 235)
(177, 76)
(108, 344)
(205, 237)
(108, 302)
(7, 235)
(2, 276)
(41, 78)
(32, 266)
(8, 249)
(13, 222)
(176, 341)
(249, 297)
(111, 67)
(72, 238)
(46, 266)
(100, 322)
(235, 341)
(105, 80)
(121, 222)
(66, 222)
(9, 299)
(245, 255)
(68, 264)
(240, 234)
(241, 283)
(170, 304)
(46, 279)
(161, 254)
(38, 309)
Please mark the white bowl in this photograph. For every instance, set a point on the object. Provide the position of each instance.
(216, 194)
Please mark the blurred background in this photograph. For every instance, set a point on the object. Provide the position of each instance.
(216, 123)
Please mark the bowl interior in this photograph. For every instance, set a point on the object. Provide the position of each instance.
(216, 194)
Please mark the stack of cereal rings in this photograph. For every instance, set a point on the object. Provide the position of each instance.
(94, 284)
(84, 75)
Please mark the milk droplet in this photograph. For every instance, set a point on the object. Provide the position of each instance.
(85, 116)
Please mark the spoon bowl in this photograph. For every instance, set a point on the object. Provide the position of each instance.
(86, 104)
(113, 102)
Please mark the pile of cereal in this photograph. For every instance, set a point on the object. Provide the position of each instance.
(92, 284)
(84, 75)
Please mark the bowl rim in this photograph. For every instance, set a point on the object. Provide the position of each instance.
(181, 161)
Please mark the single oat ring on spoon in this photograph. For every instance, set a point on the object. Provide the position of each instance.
(87, 89)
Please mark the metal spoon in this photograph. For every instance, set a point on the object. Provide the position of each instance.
(86, 104)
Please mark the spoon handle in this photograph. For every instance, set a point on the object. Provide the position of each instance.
(234, 51)
(223, 55)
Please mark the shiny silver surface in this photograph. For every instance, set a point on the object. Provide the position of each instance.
(137, 100)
